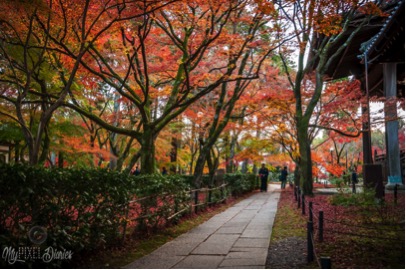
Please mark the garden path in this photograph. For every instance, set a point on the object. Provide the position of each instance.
(236, 238)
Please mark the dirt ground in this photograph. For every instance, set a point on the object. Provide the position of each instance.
(288, 253)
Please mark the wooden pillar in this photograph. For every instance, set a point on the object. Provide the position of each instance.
(392, 147)
(366, 138)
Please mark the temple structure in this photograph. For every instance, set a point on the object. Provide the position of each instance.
(385, 54)
(376, 56)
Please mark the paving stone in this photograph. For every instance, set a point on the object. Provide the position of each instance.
(204, 230)
(253, 226)
(155, 261)
(243, 267)
(237, 238)
(247, 253)
(254, 207)
(230, 230)
(244, 202)
(178, 248)
(230, 263)
(236, 223)
(217, 244)
(241, 219)
(259, 233)
(251, 242)
(248, 249)
(192, 237)
(200, 262)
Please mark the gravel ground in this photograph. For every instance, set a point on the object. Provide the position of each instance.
(289, 253)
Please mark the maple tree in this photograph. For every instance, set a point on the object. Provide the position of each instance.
(311, 20)
(337, 112)
(132, 70)
(338, 116)
(26, 68)
(162, 81)
(42, 46)
(229, 96)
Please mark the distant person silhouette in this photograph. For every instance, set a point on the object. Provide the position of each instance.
(263, 174)
(137, 171)
(354, 179)
(284, 177)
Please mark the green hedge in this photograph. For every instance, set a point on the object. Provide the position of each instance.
(79, 208)
(161, 198)
(85, 209)
(190, 180)
(241, 183)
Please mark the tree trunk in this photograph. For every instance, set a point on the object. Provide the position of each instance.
(32, 154)
(200, 162)
(113, 135)
(124, 154)
(148, 151)
(133, 160)
(113, 151)
(212, 163)
(174, 154)
(17, 152)
(306, 176)
(60, 159)
(296, 175)
(244, 167)
(45, 147)
(232, 153)
(255, 169)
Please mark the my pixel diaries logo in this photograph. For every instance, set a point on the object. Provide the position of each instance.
(37, 235)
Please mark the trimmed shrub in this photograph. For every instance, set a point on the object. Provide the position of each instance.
(85, 209)
(159, 199)
(80, 209)
(241, 183)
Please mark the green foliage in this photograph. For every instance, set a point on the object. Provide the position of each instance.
(190, 180)
(81, 209)
(10, 131)
(241, 183)
(160, 198)
(365, 198)
(86, 209)
(274, 176)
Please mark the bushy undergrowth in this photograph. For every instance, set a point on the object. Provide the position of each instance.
(85, 209)
(79, 209)
(365, 198)
(241, 183)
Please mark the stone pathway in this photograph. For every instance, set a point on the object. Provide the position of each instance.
(236, 238)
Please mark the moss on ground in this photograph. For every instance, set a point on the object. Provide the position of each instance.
(288, 221)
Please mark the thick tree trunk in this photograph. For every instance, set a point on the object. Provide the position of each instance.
(124, 154)
(133, 160)
(200, 162)
(45, 147)
(17, 152)
(212, 163)
(32, 153)
(113, 151)
(148, 152)
(306, 175)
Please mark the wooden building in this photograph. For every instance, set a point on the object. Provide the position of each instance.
(376, 56)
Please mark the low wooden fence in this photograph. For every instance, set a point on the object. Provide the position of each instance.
(317, 219)
(156, 211)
